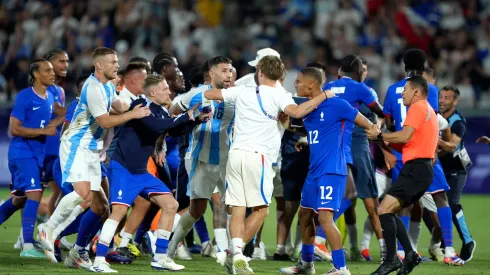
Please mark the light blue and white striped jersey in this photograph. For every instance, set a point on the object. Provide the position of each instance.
(95, 100)
(209, 142)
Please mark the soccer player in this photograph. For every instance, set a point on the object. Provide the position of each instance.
(394, 109)
(325, 184)
(207, 155)
(79, 150)
(350, 88)
(418, 142)
(129, 176)
(255, 147)
(59, 60)
(30, 123)
(455, 162)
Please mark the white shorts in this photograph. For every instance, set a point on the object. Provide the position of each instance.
(79, 165)
(278, 191)
(383, 183)
(249, 178)
(428, 202)
(205, 179)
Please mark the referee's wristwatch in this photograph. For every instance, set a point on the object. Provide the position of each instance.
(380, 136)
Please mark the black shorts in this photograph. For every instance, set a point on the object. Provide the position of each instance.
(182, 181)
(413, 181)
(293, 181)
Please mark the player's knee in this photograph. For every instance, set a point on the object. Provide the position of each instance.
(171, 206)
(100, 209)
(326, 218)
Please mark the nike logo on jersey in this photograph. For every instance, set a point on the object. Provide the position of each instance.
(324, 202)
(35, 108)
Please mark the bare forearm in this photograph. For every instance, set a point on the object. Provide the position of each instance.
(395, 137)
(362, 121)
(112, 121)
(307, 107)
(57, 121)
(447, 146)
(26, 132)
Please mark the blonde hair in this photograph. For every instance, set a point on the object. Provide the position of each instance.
(152, 80)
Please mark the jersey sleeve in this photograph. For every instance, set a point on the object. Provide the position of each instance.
(458, 128)
(231, 94)
(285, 100)
(19, 109)
(345, 110)
(366, 96)
(97, 104)
(416, 115)
(387, 110)
(56, 95)
(185, 101)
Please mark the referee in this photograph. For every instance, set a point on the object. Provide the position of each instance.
(418, 142)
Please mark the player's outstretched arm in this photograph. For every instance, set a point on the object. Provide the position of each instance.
(213, 94)
(298, 111)
(120, 106)
(363, 122)
(483, 139)
(16, 129)
(402, 136)
(107, 121)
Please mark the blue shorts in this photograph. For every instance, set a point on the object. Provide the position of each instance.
(395, 171)
(26, 176)
(364, 173)
(47, 171)
(125, 186)
(103, 171)
(439, 184)
(323, 193)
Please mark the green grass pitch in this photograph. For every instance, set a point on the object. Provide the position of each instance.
(475, 211)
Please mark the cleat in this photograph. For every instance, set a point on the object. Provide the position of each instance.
(134, 250)
(436, 254)
(454, 260)
(45, 237)
(183, 253)
(117, 257)
(298, 269)
(322, 251)
(467, 251)
(163, 262)
(18, 244)
(366, 255)
(411, 261)
(259, 252)
(335, 271)
(209, 250)
(124, 251)
(355, 255)
(195, 248)
(78, 259)
(102, 266)
(240, 264)
(388, 267)
(33, 254)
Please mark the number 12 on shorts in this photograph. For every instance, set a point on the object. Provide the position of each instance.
(326, 192)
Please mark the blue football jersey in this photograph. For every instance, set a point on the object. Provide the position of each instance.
(325, 128)
(355, 93)
(53, 142)
(71, 110)
(34, 112)
(394, 108)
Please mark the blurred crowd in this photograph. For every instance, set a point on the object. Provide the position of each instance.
(454, 33)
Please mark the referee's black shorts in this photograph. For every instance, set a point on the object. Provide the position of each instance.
(415, 178)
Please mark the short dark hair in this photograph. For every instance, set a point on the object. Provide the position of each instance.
(102, 51)
(317, 65)
(138, 59)
(218, 60)
(363, 60)
(351, 64)
(195, 76)
(272, 67)
(161, 60)
(34, 67)
(52, 53)
(136, 66)
(313, 73)
(418, 81)
(414, 60)
(453, 88)
(430, 72)
(82, 79)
